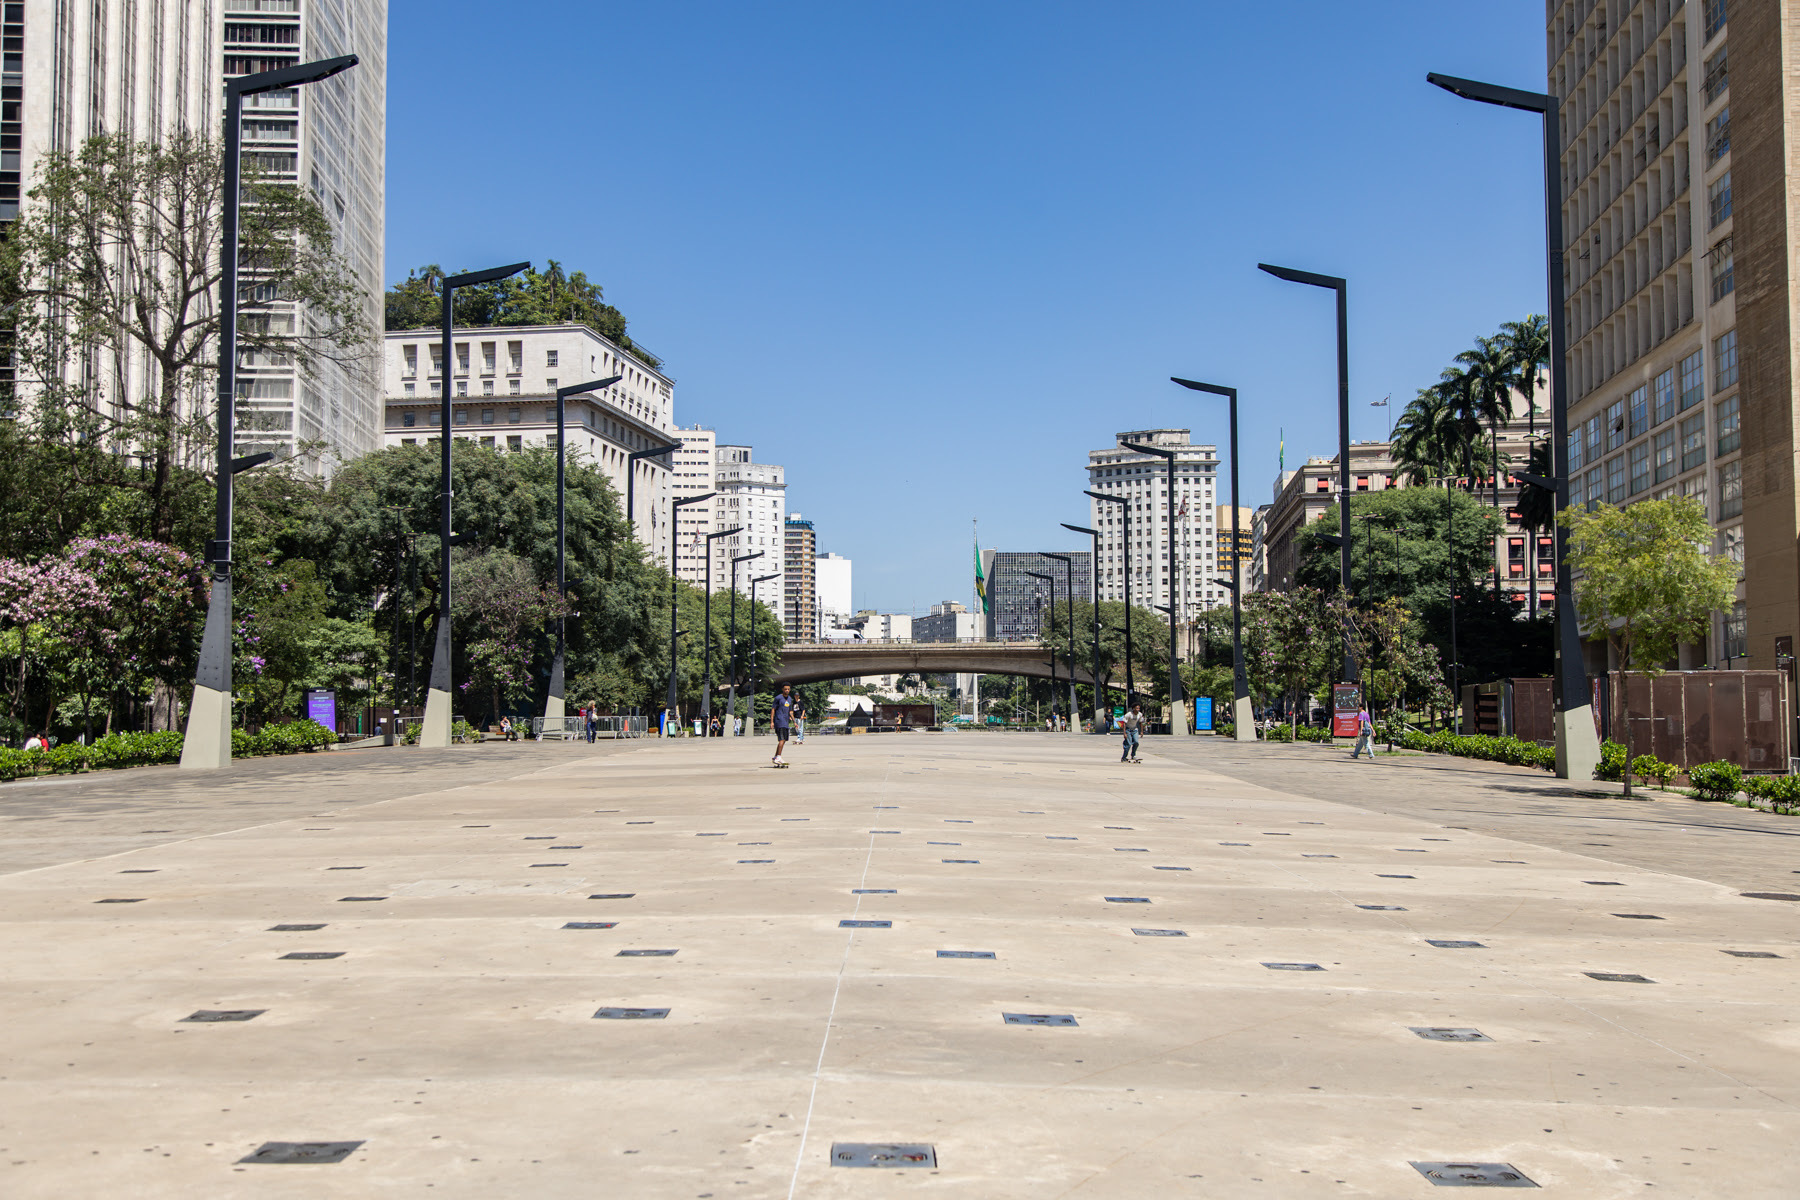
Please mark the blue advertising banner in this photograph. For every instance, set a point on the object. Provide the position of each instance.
(1203, 717)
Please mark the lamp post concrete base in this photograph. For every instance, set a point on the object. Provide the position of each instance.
(1179, 720)
(1243, 720)
(1577, 746)
(554, 714)
(207, 744)
(434, 732)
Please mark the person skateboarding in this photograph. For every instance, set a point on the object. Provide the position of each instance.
(782, 713)
(1132, 722)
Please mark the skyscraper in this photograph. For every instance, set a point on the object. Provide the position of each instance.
(150, 68)
(1142, 480)
(799, 583)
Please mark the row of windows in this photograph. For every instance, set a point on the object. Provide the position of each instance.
(1657, 402)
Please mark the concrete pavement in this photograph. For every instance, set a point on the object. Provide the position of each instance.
(484, 913)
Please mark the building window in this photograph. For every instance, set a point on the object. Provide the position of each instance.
(1664, 456)
(487, 416)
(1695, 489)
(487, 358)
(1615, 479)
(487, 387)
(512, 387)
(411, 388)
(1715, 18)
(1693, 442)
(1724, 277)
(1737, 631)
(488, 442)
(512, 416)
(462, 387)
(1640, 467)
(1731, 544)
(1593, 440)
(462, 358)
(1575, 451)
(409, 419)
(549, 385)
(1731, 489)
(462, 416)
(436, 387)
(1693, 380)
(515, 357)
(514, 443)
(1640, 412)
(1718, 75)
(1663, 393)
(411, 356)
(437, 360)
(1725, 420)
(1615, 425)
(1718, 136)
(409, 441)
(1718, 200)
(435, 418)
(1725, 361)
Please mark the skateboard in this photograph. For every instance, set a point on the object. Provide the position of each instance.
(783, 765)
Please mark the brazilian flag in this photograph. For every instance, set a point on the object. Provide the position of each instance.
(987, 606)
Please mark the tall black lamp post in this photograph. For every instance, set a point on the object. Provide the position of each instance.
(1094, 587)
(1243, 713)
(706, 674)
(750, 724)
(675, 591)
(1177, 720)
(1341, 287)
(207, 745)
(1577, 745)
(554, 709)
(1051, 580)
(731, 696)
(1069, 595)
(1125, 509)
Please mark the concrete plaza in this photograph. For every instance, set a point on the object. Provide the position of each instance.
(448, 957)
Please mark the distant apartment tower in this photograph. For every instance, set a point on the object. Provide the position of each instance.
(748, 496)
(504, 381)
(149, 68)
(1142, 480)
(800, 545)
(1246, 543)
(1018, 602)
(831, 576)
(948, 621)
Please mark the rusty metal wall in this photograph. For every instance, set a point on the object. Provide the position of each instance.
(1692, 717)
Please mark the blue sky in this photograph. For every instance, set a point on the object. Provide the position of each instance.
(927, 255)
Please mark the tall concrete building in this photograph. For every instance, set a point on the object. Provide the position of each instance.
(1142, 479)
(800, 546)
(150, 68)
(831, 576)
(748, 496)
(1681, 369)
(504, 381)
(1015, 597)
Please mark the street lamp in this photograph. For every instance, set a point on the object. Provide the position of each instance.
(1341, 287)
(1051, 580)
(1124, 508)
(1243, 713)
(435, 731)
(1177, 718)
(1094, 586)
(674, 588)
(1069, 593)
(706, 675)
(731, 696)
(207, 745)
(631, 462)
(553, 701)
(750, 723)
(1577, 745)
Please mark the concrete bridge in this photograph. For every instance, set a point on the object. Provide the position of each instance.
(807, 662)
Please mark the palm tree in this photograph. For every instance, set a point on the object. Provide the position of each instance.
(1489, 375)
(1528, 345)
(1537, 511)
(1428, 437)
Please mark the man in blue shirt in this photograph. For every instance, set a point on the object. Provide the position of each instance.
(782, 712)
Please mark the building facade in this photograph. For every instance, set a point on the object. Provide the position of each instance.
(800, 594)
(1246, 542)
(504, 382)
(1016, 599)
(1680, 370)
(948, 621)
(1142, 480)
(748, 497)
(832, 579)
(149, 69)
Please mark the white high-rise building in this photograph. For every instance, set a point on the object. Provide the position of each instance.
(150, 68)
(748, 497)
(831, 582)
(1142, 480)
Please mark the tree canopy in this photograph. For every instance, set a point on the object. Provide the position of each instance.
(547, 297)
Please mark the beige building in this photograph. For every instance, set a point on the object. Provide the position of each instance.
(504, 383)
(1142, 481)
(800, 597)
(1673, 390)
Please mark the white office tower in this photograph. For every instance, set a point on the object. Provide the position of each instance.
(831, 582)
(748, 497)
(150, 68)
(1141, 481)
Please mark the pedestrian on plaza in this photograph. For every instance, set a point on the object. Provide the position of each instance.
(799, 721)
(1365, 735)
(782, 713)
(1131, 723)
(34, 742)
(715, 728)
(592, 724)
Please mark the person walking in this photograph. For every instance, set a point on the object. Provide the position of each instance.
(1131, 723)
(591, 724)
(782, 714)
(1365, 734)
(799, 721)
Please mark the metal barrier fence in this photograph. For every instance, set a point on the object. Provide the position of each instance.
(575, 729)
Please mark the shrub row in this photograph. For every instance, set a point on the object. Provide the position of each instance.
(1488, 749)
(1298, 733)
(142, 749)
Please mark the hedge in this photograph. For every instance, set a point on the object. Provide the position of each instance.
(143, 749)
(1489, 749)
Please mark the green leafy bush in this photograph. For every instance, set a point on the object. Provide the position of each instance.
(1309, 733)
(291, 738)
(1612, 762)
(1278, 733)
(67, 758)
(1648, 766)
(1781, 791)
(1717, 780)
(1225, 731)
(1509, 750)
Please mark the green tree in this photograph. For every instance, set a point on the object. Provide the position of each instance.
(115, 255)
(1647, 581)
(1291, 646)
(548, 297)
